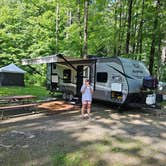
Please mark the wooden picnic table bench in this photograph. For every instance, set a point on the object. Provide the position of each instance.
(15, 107)
(21, 98)
(16, 102)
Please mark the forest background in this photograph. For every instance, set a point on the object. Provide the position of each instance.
(134, 29)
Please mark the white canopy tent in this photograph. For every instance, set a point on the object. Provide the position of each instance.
(12, 68)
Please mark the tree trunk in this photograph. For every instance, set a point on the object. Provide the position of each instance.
(123, 18)
(69, 17)
(57, 27)
(120, 29)
(69, 21)
(79, 24)
(129, 25)
(159, 65)
(141, 26)
(152, 50)
(85, 48)
(115, 28)
(139, 39)
(134, 37)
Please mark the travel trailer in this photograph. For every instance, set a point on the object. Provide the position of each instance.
(114, 79)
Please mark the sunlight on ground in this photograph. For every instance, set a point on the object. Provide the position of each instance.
(110, 138)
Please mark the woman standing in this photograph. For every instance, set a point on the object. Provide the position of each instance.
(87, 92)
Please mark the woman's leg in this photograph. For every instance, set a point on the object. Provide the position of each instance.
(89, 108)
(83, 109)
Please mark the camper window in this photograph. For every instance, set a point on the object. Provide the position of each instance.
(102, 77)
(86, 72)
(54, 66)
(67, 76)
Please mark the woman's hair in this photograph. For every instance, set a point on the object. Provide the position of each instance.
(87, 80)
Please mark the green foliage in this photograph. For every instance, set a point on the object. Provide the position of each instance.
(35, 75)
(35, 79)
(28, 30)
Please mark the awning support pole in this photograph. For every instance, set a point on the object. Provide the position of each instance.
(62, 57)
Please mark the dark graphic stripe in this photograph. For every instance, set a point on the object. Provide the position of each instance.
(125, 75)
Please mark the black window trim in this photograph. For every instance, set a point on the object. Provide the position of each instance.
(100, 80)
(67, 80)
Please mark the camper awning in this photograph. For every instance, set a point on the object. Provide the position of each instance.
(57, 59)
(40, 60)
(12, 68)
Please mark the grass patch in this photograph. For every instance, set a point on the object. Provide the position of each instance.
(70, 159)
(116, 149)
(86, 156)
(163, 103)
(107, 142)
(40, 92)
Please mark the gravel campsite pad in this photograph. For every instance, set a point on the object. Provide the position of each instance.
(132, 137)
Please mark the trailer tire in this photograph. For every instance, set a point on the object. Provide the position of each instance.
(121, 108)
(64, 96)
(71, 96)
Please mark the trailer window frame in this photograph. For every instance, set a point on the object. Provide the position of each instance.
(67, 75)
(102, 77)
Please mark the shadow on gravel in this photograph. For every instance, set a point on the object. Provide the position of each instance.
(63, 138)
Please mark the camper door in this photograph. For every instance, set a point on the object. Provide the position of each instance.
(101, 85)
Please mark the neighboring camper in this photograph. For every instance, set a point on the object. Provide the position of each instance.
(115, 79)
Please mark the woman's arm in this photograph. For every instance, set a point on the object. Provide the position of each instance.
(91, 90)
(83, 88)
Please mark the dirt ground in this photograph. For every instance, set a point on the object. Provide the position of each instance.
(111, 138)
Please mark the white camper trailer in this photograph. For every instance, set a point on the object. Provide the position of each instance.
(114, 79)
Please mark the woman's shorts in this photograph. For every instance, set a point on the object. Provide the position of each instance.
(86, 102)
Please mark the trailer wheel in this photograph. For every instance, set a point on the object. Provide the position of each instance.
(64, 96)
(71, 96)
(121, 108)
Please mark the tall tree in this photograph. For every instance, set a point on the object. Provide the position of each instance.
(139, 38)
(159, 64)
(154, 36)
(85, 48)
(57, 27)
(120, 30)
(130, 2)
(115, 27)
(79, 24)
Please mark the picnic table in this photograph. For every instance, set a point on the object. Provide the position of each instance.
(16, 102)
(22, 98)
